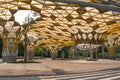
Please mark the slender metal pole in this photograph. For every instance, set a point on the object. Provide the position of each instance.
(96, 49)
(25, 49)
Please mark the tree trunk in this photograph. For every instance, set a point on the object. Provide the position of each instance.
(62, 55)
(91, 55)
(30, 52)
(25, 53)
(25, 48)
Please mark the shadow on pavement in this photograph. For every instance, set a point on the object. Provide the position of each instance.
(25, 62)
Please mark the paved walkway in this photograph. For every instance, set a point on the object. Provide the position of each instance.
(48, 66)
(112, 74)
(108, 74)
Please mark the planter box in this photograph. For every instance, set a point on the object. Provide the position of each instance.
(9, 58)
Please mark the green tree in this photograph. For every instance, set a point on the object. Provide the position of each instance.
(1, 46)
(118, 50)
(20, 49)
(68, 51)
(40, 51)
(29, 21)
(99, 51)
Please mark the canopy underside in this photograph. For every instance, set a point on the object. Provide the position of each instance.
(62, 22)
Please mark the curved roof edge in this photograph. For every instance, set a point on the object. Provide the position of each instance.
(90, 4)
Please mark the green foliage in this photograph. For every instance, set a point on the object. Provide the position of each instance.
(1, 46)
(105, 50)
(39, 51)
(99, 51)
(62, 54)
(32, 21)
(71, 53)
(20, 49)
(118, 50)
(83, 53)
(65, 52)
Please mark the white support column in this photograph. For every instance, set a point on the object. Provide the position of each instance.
(10, 50)
(111, 47)
(53, 52)
(91, 54)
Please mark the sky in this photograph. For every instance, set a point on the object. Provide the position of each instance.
(22, 14)
(20, 17)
